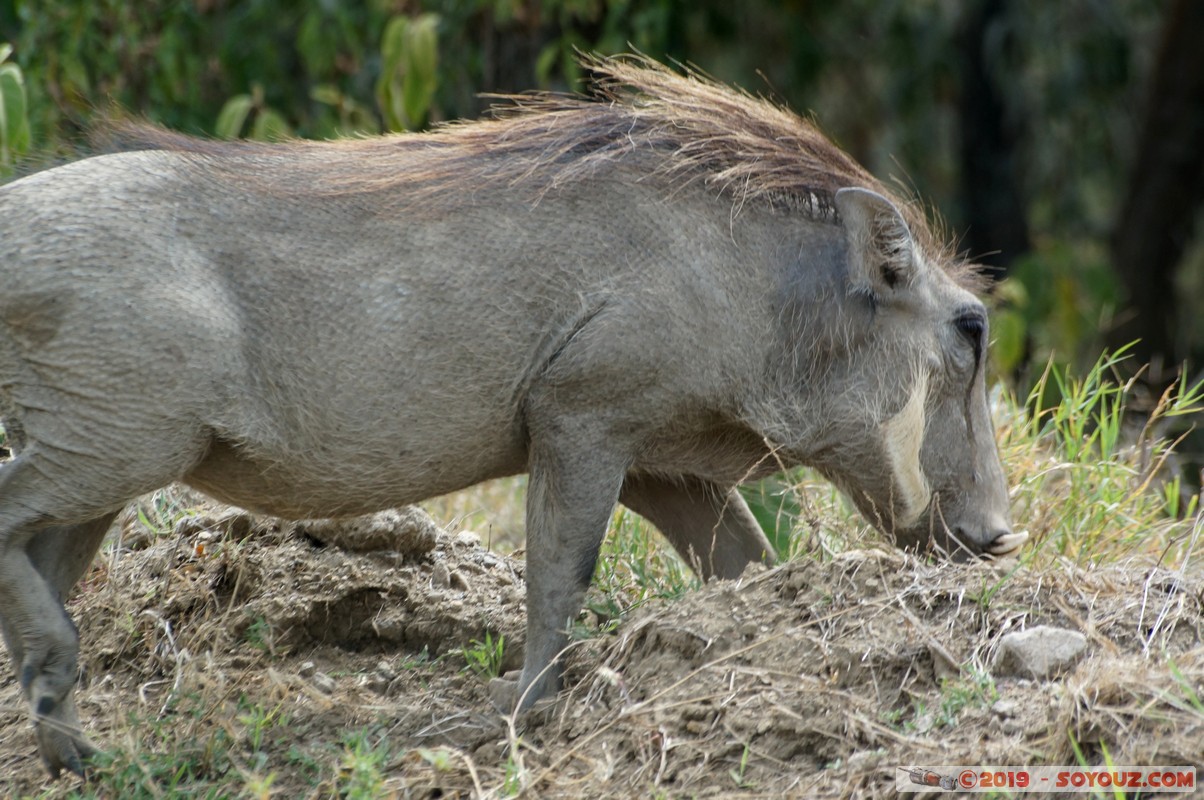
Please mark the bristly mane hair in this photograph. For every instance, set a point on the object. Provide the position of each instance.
(686, 129)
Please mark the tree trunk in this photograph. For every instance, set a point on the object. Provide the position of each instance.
(1166, 187)
(995, 223)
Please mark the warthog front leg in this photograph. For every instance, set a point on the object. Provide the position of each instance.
(39, 563)
(710, 526)
(571, 494)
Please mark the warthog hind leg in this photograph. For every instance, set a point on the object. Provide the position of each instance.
(710, 526)
(39, 563)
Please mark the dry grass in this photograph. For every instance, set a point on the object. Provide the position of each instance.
(493, 510)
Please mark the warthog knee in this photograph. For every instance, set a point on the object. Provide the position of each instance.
(52, 683)
(48, 670)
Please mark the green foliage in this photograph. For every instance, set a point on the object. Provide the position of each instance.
(14, 117)
(484, 658)
(972, 691)
(440, 758)
(1088, 480)
(975, 690)
(267, 124)
(159, 765)
(514, 776)
(259, 634)
(1190, 699)
(267, 68)
(257, 722)
(738, 773)
(1058, 301)
(801, 512)
(160, 511)
(410, 71)
(634, 566)
(777, 507)
(361, 775)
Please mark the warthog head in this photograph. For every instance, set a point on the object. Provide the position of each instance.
(919, 457)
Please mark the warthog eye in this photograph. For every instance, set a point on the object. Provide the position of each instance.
(972, 325)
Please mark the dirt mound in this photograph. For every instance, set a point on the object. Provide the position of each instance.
(819, 679)
(245, 647)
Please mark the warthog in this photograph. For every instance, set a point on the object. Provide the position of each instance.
(645, 300)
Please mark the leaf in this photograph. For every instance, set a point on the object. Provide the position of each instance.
(776, 509)
(409, 70)
(270, 126)
(388, 93)
(14, 118)
(327, 94)
(422, 68)
(314, 43)
(1008, 340)
(233, 116)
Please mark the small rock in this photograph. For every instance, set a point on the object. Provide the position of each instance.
(381, 678)
(323, 683)
(458, 581)
(1005, 708)
(307, 669)
(865, 760)
(389, 626)
(490, 752)
(1039, 652)
(468, 539)
(441, 575)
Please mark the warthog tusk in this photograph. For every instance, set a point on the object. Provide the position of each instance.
(1008, 543)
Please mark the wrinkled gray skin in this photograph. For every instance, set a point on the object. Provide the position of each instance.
(307, 357)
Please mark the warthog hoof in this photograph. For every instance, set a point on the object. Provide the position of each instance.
(61, 743)
(503, 691)
(505, 695)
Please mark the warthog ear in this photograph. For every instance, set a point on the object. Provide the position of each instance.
(881, 251)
